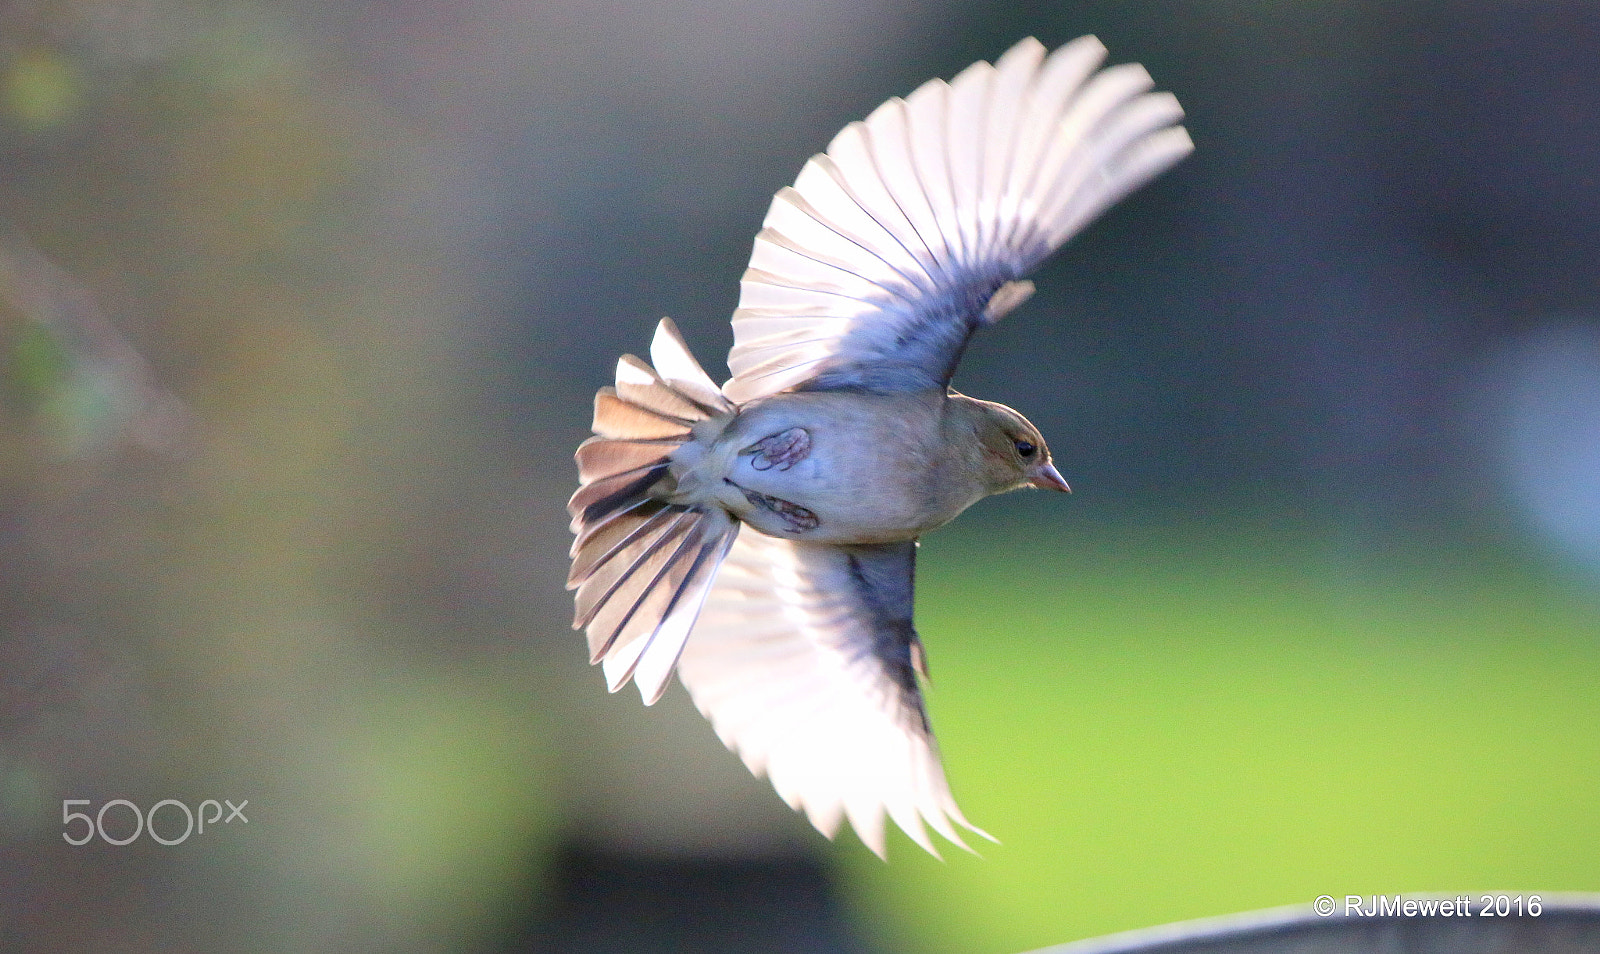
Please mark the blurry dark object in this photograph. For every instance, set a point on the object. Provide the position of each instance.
(607, 902)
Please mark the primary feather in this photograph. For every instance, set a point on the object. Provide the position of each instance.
(872, 272)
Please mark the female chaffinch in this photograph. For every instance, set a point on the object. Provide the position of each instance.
(760, 538)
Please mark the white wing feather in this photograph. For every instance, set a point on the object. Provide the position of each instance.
(782, 665)
(894, 239)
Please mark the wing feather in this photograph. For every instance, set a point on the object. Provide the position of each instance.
(823, 196)
(850, 163)
(783, 261)
(1059, 78)
(1002, 132)
(895, 239)
(888, 134)
(927, 113)
(802, 659)
(967, 109)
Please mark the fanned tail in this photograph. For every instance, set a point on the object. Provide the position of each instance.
(642, 566)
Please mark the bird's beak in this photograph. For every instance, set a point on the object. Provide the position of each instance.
(1048, 478)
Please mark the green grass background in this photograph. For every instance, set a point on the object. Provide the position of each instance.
(1183, 721)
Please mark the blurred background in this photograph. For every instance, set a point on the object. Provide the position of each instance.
(301, 308)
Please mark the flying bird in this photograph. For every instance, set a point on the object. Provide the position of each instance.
(760, 537)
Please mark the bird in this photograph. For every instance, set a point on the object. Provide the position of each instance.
(759, 538)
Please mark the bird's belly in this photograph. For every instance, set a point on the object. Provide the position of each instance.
(841, 491)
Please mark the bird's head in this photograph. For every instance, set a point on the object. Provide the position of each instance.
(1014, 452)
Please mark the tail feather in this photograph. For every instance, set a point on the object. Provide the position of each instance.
(642, 566)
(619, 419)
(617, 585)
(638, 595)
(652, 664)
(603, 495)
(600, 457)
(609, 540)
(588, 531)
(638, 383)
(679, 370)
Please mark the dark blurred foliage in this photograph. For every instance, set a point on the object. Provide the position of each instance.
(302, 305)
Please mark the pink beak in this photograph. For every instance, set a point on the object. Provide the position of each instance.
(1048, 478)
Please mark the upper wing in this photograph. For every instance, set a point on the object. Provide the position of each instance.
(805, 661)
(874, 269)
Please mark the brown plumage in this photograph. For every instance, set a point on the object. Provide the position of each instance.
(642, 565)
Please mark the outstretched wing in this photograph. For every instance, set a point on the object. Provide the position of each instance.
(917, 225)
(806, 663)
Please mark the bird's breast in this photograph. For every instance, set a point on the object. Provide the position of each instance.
(841, 468)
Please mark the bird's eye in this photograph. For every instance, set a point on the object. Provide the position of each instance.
(1025, 448)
